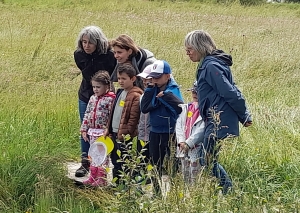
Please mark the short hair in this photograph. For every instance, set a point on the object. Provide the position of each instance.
(200, 41)
(126, 68)
(96, 36)
(102, 77)
(124, 41)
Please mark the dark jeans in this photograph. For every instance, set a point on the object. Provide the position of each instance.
(85, 146)
(209, 155)
(159, 148)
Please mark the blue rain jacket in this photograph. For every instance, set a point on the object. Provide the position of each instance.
(221, 103)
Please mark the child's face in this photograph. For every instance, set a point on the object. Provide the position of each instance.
(194, 96)
(146, 81)
(125, 81)
(163, 80)
(99, 89)
(121, 55)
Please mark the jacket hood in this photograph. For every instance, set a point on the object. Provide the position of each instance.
(110, 94)
(137, 90)
(172, 82)
(221, 55)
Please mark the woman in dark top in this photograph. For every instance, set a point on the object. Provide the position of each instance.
(127, 51)
(93, 53)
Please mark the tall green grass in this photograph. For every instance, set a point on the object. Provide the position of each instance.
(39, 124)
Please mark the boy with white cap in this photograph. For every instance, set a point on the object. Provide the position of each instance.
(144, 127)
(161, 99)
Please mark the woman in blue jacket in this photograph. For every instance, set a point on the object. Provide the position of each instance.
(221, 103)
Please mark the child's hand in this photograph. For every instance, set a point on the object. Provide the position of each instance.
(106, 133)
(160, 94)
(183, 147)
(84, 136)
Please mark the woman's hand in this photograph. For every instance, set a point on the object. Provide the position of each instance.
(247, 124)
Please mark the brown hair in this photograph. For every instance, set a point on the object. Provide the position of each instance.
(126, 68)
(102, 77)
(125, 42)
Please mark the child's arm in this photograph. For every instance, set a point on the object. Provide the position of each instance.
(149, 100)
(134, 115)
(180, 126)
(197, 136)
(171, 101)
(85, 124)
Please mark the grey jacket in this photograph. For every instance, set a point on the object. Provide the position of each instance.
(144, 127)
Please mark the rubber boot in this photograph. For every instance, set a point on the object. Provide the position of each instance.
(84, 168)
(92, 177)
(100, 178)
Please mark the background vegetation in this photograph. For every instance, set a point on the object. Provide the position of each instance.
(38, 109)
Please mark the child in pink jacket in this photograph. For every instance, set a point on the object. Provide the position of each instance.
(189, 135)
(95, 121)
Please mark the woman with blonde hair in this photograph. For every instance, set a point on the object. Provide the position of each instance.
(221, 103)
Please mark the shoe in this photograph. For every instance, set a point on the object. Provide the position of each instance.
(100, 177)
(84, 168)
(92, 177)
(226, 188)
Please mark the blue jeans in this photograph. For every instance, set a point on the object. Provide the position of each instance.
(209, 152)
(84, 145)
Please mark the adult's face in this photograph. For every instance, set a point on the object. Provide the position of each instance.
(193, 54)
(88, 47)
(121, 55)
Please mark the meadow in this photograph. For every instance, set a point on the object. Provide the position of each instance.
(39, 123)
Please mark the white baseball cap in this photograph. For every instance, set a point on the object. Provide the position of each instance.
(146, 71)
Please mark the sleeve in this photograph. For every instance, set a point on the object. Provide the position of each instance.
(79, 60)
(134, 116)
(85, 124)
(110, 106)
(180, 126)
(216, 78)
(85, 63)
(172, 101)
(149, 100)
(197, 136)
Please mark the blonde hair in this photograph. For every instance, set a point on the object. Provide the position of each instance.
(200, 41)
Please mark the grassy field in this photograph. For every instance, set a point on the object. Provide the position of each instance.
(39, 124)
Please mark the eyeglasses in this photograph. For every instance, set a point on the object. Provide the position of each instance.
(189, 50)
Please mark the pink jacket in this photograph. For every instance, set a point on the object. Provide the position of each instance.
(97, 112)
